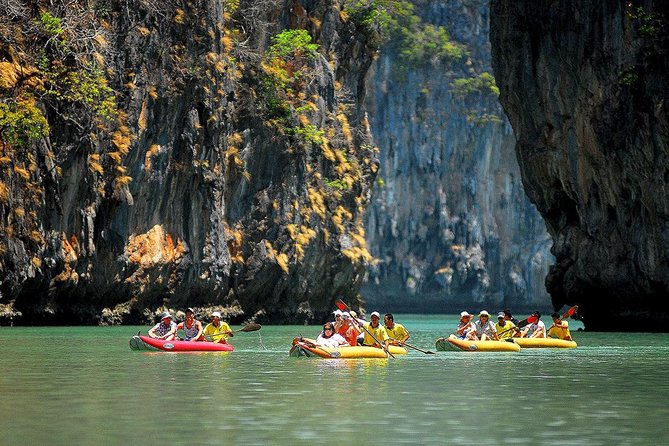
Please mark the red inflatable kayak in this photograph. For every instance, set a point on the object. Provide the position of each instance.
(146, 343)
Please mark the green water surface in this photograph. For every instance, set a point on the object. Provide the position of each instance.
(83, 385)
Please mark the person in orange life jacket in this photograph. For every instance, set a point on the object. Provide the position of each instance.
(165, 329)
(192, 328)
(536, 329)
(348, 330)
(330, 338)
(560, 328)
(337, 322)
(374, 328)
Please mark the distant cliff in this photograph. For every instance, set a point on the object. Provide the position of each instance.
(450, 223)
(585, 86)
(169, 154)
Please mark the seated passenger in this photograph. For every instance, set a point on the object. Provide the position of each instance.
(348, 330)
(217, 330)
(329, 338)
(191, 327)
(536, 329)
(375, 330)
(465, 326)
(505, 328)
(165, 329)
(396, 332)
(559, 329)
(483, 328)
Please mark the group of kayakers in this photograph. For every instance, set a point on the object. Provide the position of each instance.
(349, 330)
(215, 331)
(508, 327)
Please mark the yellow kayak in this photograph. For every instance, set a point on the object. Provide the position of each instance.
(309, 348)
(453, 342)
(544, 343)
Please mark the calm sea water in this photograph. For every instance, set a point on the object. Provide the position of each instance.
(83, 385)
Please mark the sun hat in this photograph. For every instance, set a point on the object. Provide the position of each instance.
(190, 309)
(216, 314)
(500, 314)
(337, 313)
(375, 313)
(165, 315)
(464, 314)
(484, 313)
(354, 314)
(345, 315)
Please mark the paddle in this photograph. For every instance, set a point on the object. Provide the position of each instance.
(521, 324)
(570, 312)
(343, 307)
(427, 352)
(246, 328)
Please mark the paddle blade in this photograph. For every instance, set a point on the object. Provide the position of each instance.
(250, 327)
(341, 305)
(529, 320)
(570, 312)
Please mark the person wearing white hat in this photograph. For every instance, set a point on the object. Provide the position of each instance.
(165, 329)
(217, 330)
(483, 328)
(375, 330)
(465, 326)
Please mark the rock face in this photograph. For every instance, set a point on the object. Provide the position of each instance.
(181, 154)
(585, 87)
(451, 225)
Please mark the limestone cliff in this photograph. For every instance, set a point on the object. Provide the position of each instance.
(172, 153)
(585, 86)
(450, 223)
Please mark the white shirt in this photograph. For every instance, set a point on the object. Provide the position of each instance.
(333, 341)
(537, 325)
(488, 328)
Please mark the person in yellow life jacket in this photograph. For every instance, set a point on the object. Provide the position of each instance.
(217, 331)
(559, 329)
(505, 328)
(375, 329)
(396, 332)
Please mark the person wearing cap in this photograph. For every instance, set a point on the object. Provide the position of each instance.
(465, 326)
(337, 321)
(559, 329)
(396, 332)
(484, 329)
(165, 329)
(348, 330)
(192, 328)
(216, 330)
(330, 338)
(373, 330)
(536, 329)
(505, 328)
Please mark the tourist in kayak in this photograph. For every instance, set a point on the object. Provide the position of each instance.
(330, 338)
(465, 326)
(192, 328)
(483, 328)
(348, 330)
(165, 329)
(505, 328)
(373, 330)
(559, 329)
(536, 329)
(509, 317)
(396, 332)
(216, 330)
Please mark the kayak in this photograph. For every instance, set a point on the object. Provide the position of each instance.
(147, 343)
(544, 343)
(307, 347)
(456, 343)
